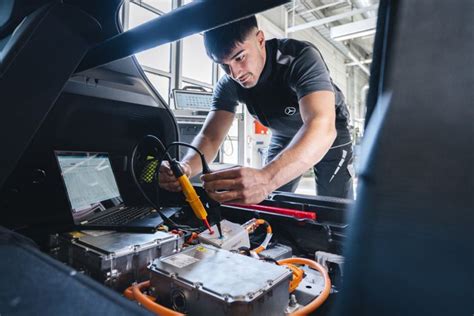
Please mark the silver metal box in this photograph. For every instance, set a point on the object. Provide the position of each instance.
(115, 259)
(204, 280)
(277, 252)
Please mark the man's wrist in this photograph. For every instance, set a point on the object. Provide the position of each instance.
(269, 178)
(186, 168)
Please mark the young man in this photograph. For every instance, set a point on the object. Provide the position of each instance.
(285, 84)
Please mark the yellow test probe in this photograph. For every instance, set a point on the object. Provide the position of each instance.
(190, 193)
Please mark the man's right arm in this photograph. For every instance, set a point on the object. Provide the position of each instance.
(208, 141)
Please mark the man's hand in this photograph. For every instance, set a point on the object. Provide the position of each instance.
(167, 179)
(238, 185)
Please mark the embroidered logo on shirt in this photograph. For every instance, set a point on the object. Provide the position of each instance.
(290, 110)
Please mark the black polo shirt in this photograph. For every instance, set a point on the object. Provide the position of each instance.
(292, 70)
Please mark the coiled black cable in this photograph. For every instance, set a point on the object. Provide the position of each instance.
(165, 150)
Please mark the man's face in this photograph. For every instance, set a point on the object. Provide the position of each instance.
(246, 61)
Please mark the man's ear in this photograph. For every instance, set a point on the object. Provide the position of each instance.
(260, 38)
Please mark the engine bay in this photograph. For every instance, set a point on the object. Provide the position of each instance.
(255, 268)
(77, 113)
(72, 181)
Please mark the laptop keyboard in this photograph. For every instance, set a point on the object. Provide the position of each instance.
(123, 216)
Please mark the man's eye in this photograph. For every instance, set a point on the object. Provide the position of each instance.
(240, 58)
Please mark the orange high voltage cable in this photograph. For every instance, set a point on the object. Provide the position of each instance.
(252, 225)
(134, 292)
(318, 301)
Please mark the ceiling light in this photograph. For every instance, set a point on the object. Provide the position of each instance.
(354, 30)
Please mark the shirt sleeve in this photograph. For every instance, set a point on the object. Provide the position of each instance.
(308, 73)
(225, 96)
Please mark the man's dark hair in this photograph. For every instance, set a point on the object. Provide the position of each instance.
(221, 41)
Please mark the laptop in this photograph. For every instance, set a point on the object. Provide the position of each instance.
(94, 197)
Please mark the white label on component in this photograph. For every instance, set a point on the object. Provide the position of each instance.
(180, 260)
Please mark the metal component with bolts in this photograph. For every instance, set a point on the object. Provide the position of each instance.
(293, 301)
(231, 284)
(293, 305)
(115, 259)
(310, 287)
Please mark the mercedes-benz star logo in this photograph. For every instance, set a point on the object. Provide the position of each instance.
(290, 110)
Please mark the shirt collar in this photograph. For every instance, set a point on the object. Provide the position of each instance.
(267, 69)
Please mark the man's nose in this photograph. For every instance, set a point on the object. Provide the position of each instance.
(234, 71)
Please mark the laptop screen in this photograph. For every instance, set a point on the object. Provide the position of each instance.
(90, 183)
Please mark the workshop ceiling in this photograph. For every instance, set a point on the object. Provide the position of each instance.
(348, 24)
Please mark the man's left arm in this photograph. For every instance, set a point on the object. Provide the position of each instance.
(310, 144)
(250, 185)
